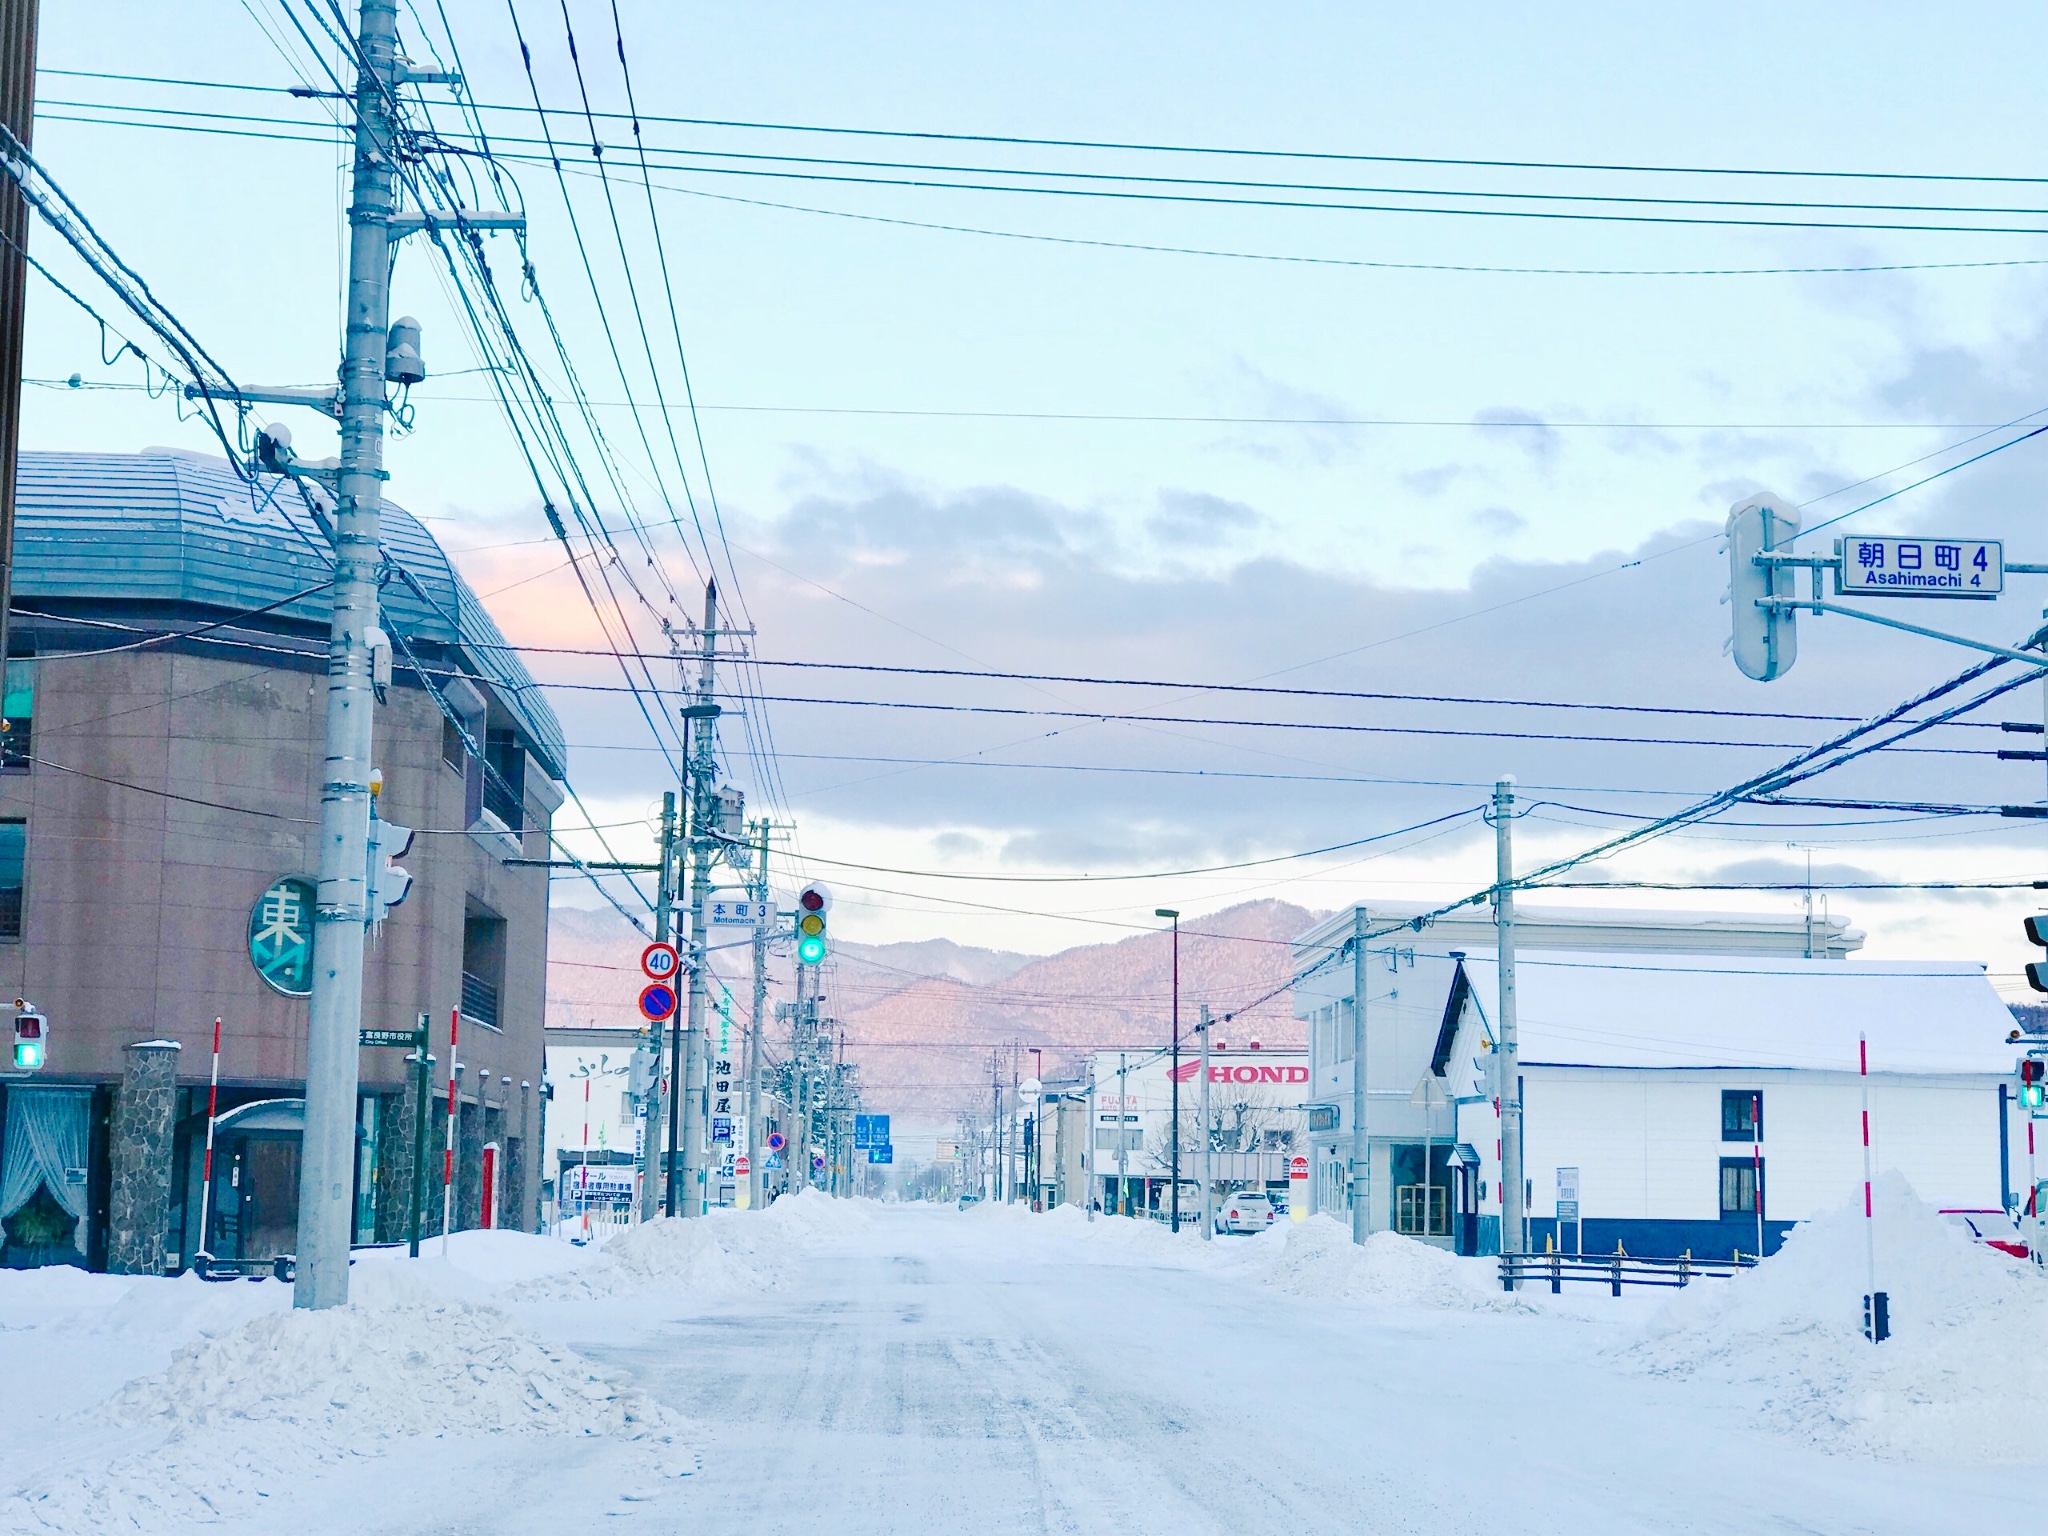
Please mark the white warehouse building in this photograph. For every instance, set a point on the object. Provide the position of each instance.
(1653, 1048)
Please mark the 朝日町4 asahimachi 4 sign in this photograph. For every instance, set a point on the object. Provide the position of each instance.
(1917, 567)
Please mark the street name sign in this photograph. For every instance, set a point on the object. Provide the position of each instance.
(736, 912)
(1884, 566)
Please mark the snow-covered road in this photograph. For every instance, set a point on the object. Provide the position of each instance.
(937, 1373)
(826, 1369)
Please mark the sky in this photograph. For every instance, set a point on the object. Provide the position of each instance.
(1174, 441)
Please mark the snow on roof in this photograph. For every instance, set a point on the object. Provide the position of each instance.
(1675, 1011)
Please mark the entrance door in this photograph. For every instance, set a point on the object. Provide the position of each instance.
(489, 1215)
(269, 1167)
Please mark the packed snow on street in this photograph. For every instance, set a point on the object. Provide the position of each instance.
(846, 1366)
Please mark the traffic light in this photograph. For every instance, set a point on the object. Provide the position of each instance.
(2033, 1090)
(387, 883)
(2037, 971)
(812, 903)
(1764, 640)
(31, 1041)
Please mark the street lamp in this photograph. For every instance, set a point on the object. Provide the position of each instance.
(1175, 1074)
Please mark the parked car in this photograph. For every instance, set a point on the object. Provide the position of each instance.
(967, 1200)
(1245, 1211)
(1992, 1228)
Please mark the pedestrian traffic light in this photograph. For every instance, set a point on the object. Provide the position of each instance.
(812, 904)
(31, 1039)
(1765, 641)
(2037, 971)
(387, 884)
(2033, 1089)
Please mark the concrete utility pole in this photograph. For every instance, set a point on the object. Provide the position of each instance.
(1173, 1076)
(1513, 1190)
(1360, 1182)
(17, 116)
(796, 1146)
(1088, 1147)
(1123, 1133)
(1208, 1141)
(753, 1062)
(657, 1100)
(327, 1167)
(703, 848)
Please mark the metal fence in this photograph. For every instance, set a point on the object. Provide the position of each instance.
(1614, 1270)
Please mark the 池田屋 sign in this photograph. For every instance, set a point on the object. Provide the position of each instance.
(281, 936)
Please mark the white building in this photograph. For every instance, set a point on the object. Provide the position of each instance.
(1257, 1120)
(593, 1128)
(1646, 1057)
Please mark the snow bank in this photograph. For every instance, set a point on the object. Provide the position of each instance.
(1957, 1380)
(720, 1253)
(1316, 1258)
(241, 1414)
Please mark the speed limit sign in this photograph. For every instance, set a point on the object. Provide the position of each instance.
(660, 961)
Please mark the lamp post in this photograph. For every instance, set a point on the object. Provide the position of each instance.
(1175, 1074)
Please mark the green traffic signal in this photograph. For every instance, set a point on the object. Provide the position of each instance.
(810, 949)
(2033, 1095)
(28, 1055)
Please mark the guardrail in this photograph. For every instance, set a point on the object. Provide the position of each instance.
(1614, 1269)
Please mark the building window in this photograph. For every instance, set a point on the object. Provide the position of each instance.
(18, 708)
(1740, 1186)
(483, 965)
(13, 864)
(1742, 1114)
(453, 752)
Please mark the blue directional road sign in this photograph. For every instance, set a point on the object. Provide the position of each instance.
(883, 1153)
(870, 1130)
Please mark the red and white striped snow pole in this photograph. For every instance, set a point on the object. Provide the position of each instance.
(212, 1113)
(448, 1145)
(1876, 1323)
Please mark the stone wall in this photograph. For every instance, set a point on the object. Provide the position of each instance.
(139, 1198)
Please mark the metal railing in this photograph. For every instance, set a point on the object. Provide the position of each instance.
(1614, 1269)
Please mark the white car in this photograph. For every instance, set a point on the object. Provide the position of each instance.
(1246, 1210)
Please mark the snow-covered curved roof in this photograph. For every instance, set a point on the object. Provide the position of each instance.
(164, 526)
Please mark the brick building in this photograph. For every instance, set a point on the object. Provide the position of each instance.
(159, 808)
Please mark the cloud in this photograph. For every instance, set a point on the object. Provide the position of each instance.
(1525, 429)
(1498, 521)
(1196, 519)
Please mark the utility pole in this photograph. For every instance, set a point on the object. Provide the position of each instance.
(1513, 1193)
(753, 1063)
(17, 115)
(703, 847)
(796, 1146)
(1208, 1141)
(1090, 1195)
(327, 1168)
(1360, 1182)
(1174, 1075)
(1123, 1133)
(656, 1101)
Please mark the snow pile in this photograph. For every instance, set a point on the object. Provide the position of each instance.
(1138, 1236)
(240, 1415)
(1957, 1379)
(1316, 1258)
(723, 1252)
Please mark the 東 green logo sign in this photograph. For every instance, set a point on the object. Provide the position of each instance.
(281, 936)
